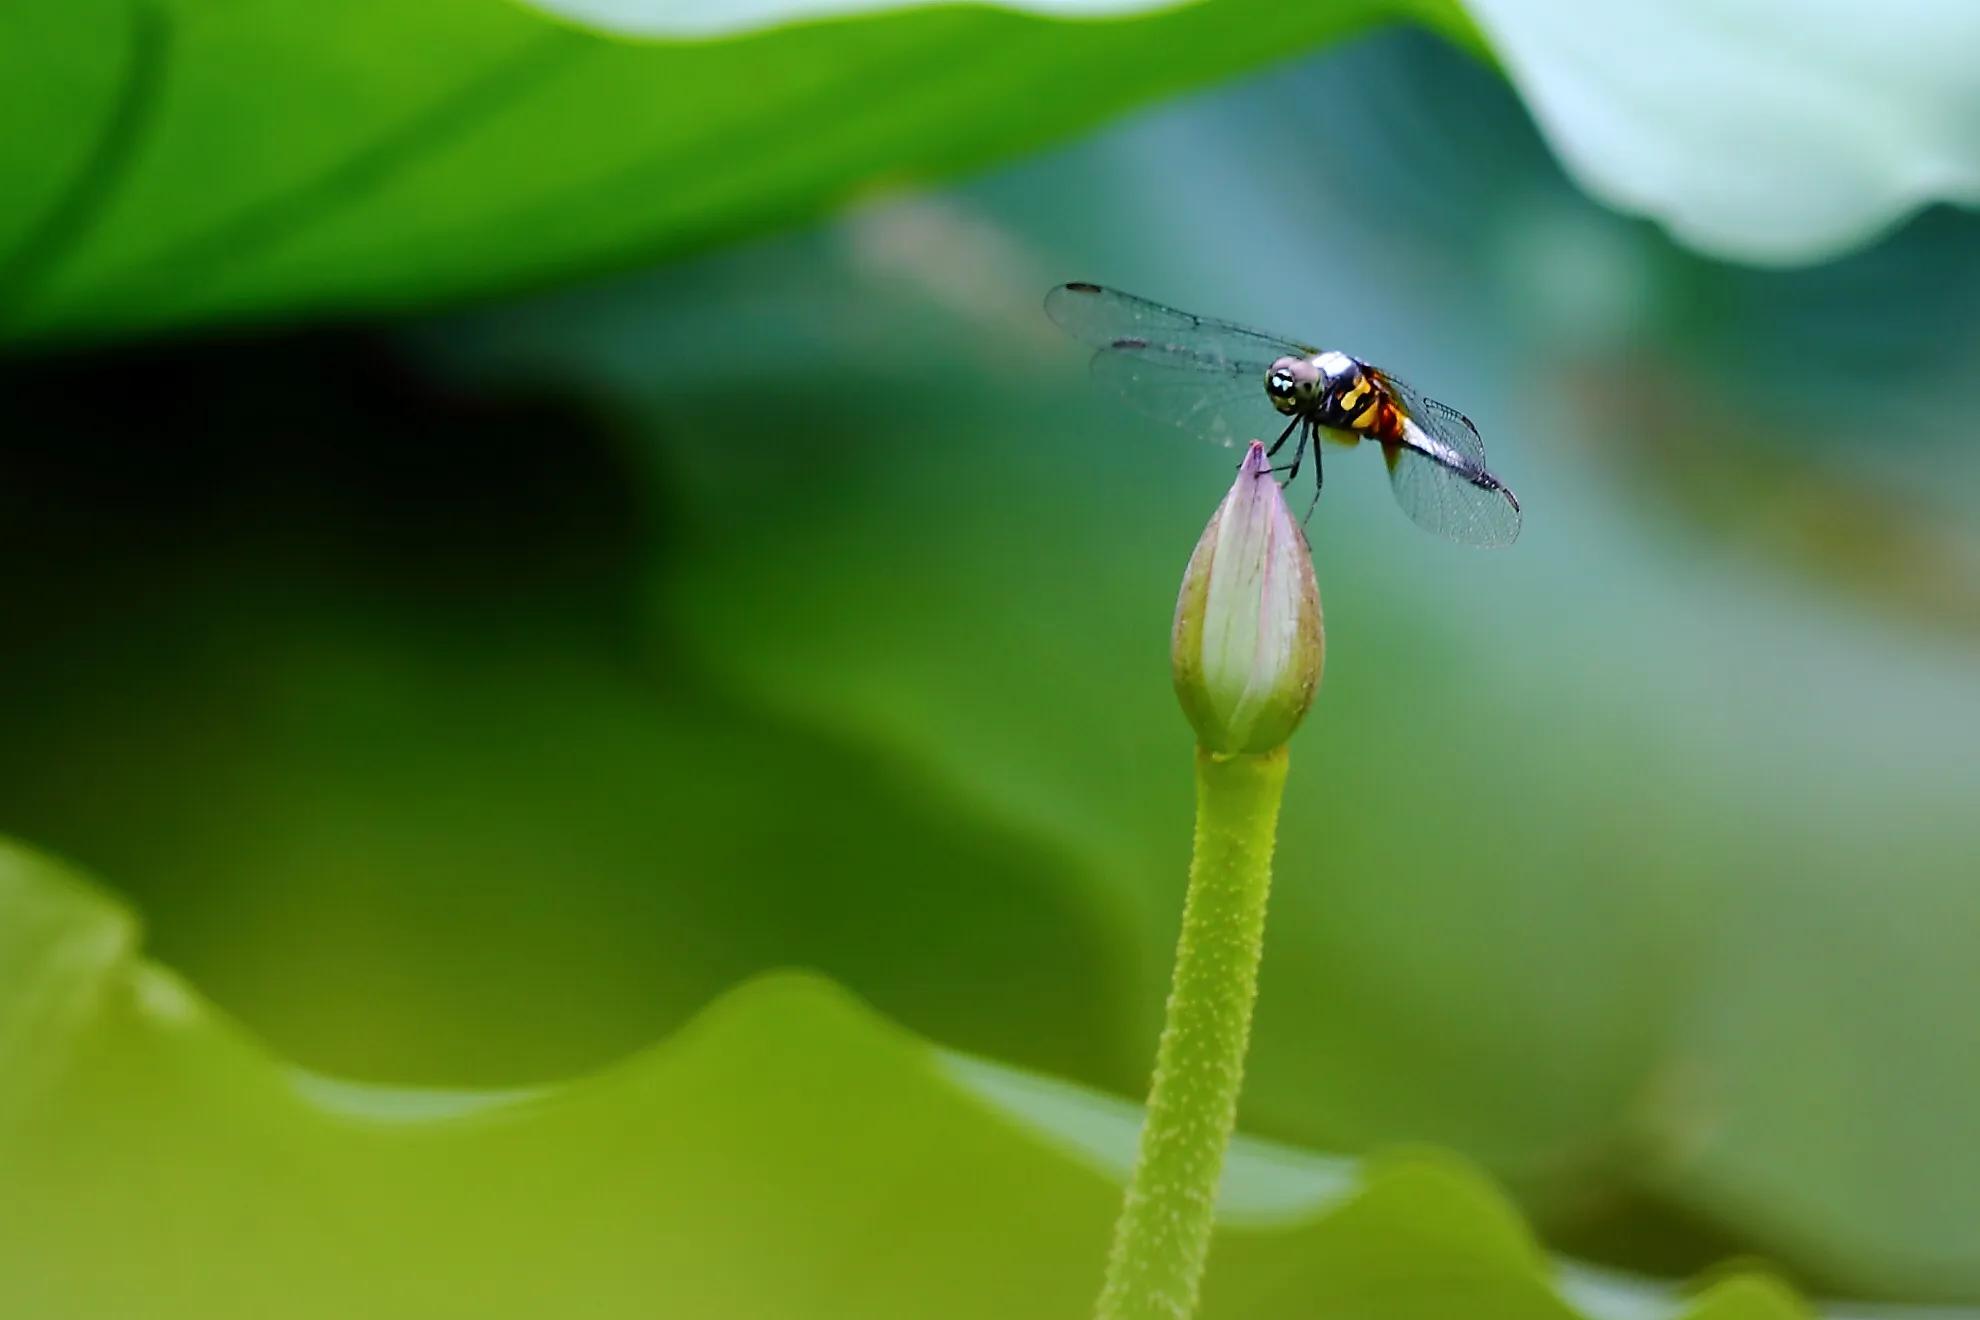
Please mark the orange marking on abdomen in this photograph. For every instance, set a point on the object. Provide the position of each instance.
(1381, 421)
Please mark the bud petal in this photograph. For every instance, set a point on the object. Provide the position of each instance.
(1248, 643)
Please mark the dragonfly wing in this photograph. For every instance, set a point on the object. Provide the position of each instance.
(1104, 317)
(1439, 472)
(1222, 400)
(1443, 422)
(1442, 491)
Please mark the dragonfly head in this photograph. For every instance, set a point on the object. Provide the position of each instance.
(1293, 384)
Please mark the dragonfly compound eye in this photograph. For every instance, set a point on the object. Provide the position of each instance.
(1279, 384)
(1287, 385)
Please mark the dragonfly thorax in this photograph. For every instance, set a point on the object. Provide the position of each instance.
(1311, 385)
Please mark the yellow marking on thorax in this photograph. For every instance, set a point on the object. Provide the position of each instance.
(1361, 416)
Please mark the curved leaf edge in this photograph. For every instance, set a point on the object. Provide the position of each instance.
(74, 987)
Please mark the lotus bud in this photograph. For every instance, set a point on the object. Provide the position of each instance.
(1248, 644)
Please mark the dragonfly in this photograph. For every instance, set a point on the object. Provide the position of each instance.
(1216, 378)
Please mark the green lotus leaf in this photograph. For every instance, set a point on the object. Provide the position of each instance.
(787, 1153)
(169, 162)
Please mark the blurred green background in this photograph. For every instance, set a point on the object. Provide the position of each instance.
(481, 619)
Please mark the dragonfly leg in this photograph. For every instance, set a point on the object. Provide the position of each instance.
(1319, 479)
(1280, 443)
(1299, 454)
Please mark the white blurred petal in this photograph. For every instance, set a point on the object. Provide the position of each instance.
(727, 18)
(1772, 131)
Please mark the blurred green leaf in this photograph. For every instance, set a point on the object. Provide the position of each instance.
(420, 772)
(1545, 960)
(788, 1153)
(374, 715)
(169, 161)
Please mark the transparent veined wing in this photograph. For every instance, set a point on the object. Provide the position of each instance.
(1441, 421)
(1475, 508)
(1221, 399)
(1103, 317)
(1439, 473)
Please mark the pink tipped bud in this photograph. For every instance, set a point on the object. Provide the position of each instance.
(1248, 645)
